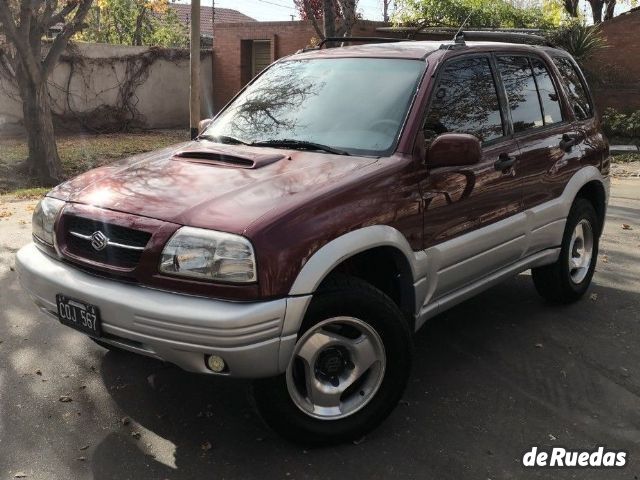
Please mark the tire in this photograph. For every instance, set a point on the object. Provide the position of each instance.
(560, 282)
(282, 400)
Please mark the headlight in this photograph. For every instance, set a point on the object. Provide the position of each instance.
(209, 255)
(44, 216)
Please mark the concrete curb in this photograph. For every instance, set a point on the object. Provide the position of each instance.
(621, 149)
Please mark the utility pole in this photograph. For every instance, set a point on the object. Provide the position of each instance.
(194, 106)
(213, 64)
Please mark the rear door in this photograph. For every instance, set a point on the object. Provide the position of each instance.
(463, 200)
(592, 143)
(547, 140)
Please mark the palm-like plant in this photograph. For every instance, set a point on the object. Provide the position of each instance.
(580, 40)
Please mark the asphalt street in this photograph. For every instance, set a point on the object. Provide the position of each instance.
(492, 377)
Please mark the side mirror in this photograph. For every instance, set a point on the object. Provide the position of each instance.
(202, 126)
(454, 150)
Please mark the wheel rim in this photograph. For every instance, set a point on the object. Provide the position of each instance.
(580, 251)
(336, 369)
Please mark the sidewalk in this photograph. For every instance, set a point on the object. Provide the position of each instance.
(620, 149)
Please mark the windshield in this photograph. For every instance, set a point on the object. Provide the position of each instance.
(355, 105)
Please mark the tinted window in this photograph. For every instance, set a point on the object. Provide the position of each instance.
(465, 100)
(353, 104)
(521, 92)
(575, 88)
(548, 94)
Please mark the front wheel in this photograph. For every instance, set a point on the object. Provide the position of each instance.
(349, 368)
(567, 279)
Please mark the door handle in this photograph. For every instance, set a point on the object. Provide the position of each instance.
(504, 162)
(569, 141)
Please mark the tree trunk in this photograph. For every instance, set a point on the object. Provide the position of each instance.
(329, 19)
(571, 7)
(610, 10)
(137, 33)
(596, 9)
(348, 16)
(43, 161)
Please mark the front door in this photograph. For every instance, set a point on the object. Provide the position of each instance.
(470, 211)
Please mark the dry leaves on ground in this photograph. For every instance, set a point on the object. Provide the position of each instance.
(206, 446)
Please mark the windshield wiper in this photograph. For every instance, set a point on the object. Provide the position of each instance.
(223, 139)
(298, 144)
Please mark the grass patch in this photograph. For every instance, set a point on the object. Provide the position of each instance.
(79, 153)
(29, 193)
(626, 158)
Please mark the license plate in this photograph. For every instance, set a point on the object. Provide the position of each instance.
(79, 315)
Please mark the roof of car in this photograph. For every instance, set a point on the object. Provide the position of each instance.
(409, 49)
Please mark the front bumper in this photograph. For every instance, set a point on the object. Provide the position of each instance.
(172, 327)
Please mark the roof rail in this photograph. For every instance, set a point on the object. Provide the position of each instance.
(502, 36)
(512, 35)
(360, 39)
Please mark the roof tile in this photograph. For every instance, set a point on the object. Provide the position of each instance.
(222, 15)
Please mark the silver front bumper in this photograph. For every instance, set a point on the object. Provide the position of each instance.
(176, 328)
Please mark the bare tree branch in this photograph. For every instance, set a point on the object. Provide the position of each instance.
(5, 63)
(310, 14)
(61, 41)
(27, 59)
(59, 17)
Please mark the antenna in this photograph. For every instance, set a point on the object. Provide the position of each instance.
(459, 36)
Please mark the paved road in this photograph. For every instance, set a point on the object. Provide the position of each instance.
(493, 377)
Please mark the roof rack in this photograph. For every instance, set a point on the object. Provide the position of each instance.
(511, 35)
(502, 36)
(360, 39)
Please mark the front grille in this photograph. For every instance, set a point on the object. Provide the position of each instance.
(123, 249)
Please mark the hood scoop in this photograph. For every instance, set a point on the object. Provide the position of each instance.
(232, 157)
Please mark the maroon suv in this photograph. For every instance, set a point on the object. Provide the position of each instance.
(339, 201)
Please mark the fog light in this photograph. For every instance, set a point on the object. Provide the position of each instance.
(216, 363)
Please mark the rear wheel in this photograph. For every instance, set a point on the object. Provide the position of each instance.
(567, 279)
(349, 368)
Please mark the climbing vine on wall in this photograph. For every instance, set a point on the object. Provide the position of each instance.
(121, 113)
(100, 93)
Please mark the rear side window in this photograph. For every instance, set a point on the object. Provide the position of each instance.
(465, 100)
(522, 94)
(548, 95)
(575, 88)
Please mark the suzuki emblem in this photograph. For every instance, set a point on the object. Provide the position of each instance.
(99, 241)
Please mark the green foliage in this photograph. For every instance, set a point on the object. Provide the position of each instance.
(621, 125)
(135, 22)
(170, 32)
(580, 40)
(483, 14)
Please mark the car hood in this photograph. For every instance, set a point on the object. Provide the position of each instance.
(208, 185)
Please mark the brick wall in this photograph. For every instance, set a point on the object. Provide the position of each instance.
(232, 62)
(617, 68)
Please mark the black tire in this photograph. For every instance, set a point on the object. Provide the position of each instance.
(554, 282)
(337, 297)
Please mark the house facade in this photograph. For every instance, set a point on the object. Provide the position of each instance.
(242, 50)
